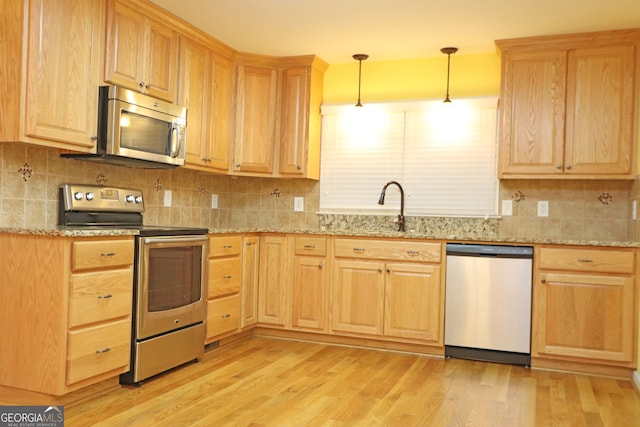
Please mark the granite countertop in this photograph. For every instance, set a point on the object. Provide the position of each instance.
(446, 235)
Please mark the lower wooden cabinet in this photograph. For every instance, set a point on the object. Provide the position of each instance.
(250, 276)
(585, 306)
(223, 315)
(273, 280)
(309, 292)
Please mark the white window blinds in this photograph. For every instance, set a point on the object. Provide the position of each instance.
(444, 155)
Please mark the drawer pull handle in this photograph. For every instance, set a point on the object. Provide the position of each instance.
(108, 254)
(107, 296)
(412, 252)
(585, 260)
(309, 246)
(227, 277)
(358, 250)
(104, 350)
(227, 246)
(224, 316)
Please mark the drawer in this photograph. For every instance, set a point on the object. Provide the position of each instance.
(388, 250)
(594, 260)
(225, 276)
(225, 246)
(88, 254)
(223, 315)
(310, 246)
(100, 295)
(95, 350)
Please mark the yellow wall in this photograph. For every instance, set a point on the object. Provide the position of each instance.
(425, 78)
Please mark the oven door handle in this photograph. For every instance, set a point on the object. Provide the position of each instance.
(198, 238)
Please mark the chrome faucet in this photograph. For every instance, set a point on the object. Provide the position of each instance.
(381, 202)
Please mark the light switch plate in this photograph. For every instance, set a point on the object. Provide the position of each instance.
(214, 201)
(543, 208)
(507, 208)
(167, 197)
(298, 204)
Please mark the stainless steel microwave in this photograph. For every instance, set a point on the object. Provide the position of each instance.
(137, 130)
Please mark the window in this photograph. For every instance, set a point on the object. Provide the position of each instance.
(444, 155)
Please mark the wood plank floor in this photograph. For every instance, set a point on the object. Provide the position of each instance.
(270, 382)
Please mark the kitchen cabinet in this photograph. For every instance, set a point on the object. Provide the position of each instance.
(141, 52)
(584, 306)
(388, 288)
(254, 140)
(273, 280)
(205, 90)
(250, 277)
(300, 121)
(568, 106)
(224, 284)
(309, 292)
(69, 304)
(50, 72)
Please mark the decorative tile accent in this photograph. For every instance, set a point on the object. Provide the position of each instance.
(201, 189)
(26, 172)
(158, 184)
(101, 179)
(518, 196)
(605, 198)
(275, 193)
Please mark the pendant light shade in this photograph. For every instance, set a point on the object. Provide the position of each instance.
(448, 51)
(359, 57)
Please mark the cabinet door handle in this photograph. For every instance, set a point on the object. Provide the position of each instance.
(320, 266)
(543, 280)
(141, 84)
(309, 246)
(558, 166)
(108, 254)
(227, 277)
(224, 316)
(379, 270)
(104, 350)
(568, 167)
(585, 260)
(388, 270)
(107, 296)
(227, 246)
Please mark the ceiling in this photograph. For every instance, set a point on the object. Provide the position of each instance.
(389, 30)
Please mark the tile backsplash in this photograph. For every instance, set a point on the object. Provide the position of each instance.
(30, 176)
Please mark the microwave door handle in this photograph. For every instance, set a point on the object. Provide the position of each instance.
(175, 140)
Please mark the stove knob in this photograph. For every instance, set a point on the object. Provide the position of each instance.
(138, 199)
(78, 195)
(89, 196)
(129, 198)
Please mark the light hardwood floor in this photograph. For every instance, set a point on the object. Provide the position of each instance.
(270, 382)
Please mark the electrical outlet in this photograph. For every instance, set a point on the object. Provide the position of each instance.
(507, 207)
(634, 210)
(543, 208)
(298, 204)
(214, 201)
(167, 197)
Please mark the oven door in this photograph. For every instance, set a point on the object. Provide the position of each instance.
(170, 281)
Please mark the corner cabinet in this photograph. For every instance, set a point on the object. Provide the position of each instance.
(46, 100)
(142, 52)
(568, 106)
(584, 307)
(66, 307)
(277, 119)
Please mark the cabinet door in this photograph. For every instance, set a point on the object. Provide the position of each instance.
(250, 276)
(194, 93)
(413, 298)
(584, 316)
(274, 274)
(255, 119)
(161, 61)
(124, 60)
(309, 292)
(294, 112)
(358, 297)
(218, 153)
(600, 113)
(533, 103)
(63, 65)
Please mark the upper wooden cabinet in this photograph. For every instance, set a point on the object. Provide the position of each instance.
(568, 106)
(50, 72)
(142, 53)
(277, 119)
(205, 89)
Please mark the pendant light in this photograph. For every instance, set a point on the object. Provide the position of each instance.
(448, 51)
(359, 57)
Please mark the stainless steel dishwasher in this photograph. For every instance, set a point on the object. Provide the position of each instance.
(488, 303)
